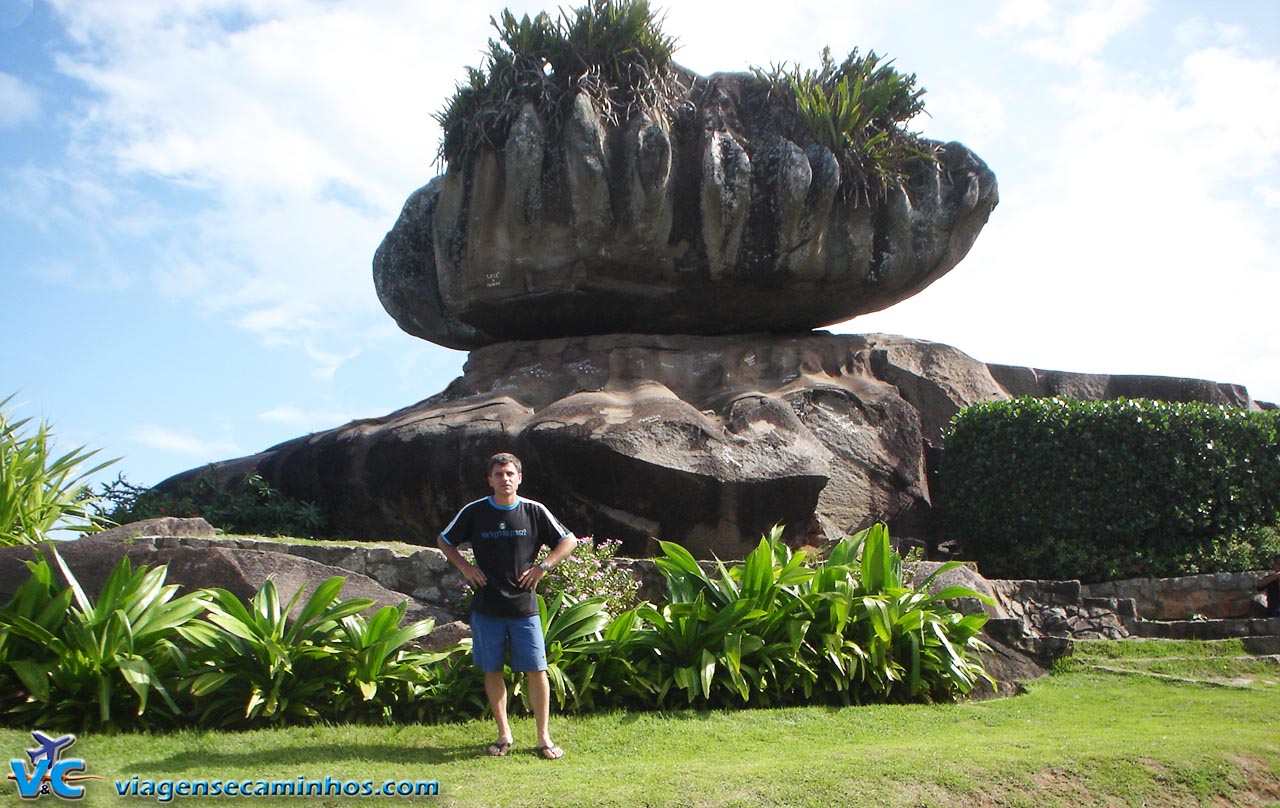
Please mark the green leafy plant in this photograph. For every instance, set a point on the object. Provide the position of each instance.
(41, 490)
(572, 635)
(858, 109)
(375, 646)
(255, 663)
(248, 505)
(385, 678)
(775, 630)
(614, 51)
(82, 663)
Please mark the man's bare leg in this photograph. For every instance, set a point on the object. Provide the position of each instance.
(495, 688)
(540, 700)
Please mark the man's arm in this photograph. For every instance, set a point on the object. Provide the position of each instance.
(473, 574)
(530, 577)
(1275, 576)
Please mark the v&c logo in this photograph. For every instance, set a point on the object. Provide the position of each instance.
(48, 772)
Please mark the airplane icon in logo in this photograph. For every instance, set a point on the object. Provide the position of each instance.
(50, 748)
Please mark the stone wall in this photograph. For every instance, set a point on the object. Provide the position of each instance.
(1061, 609)
(1217, 596)
(1044, 608)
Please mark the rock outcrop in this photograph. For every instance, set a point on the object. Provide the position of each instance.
(709, 223)
(706, 441)
(205, 564)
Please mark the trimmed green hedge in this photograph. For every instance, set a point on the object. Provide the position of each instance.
(1061, 489)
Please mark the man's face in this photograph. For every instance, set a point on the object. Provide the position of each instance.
(504, 480)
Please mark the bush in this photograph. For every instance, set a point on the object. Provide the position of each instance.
(248, 506)
(41, 491)
(140, 657)
(1052, 488)
(592, 571)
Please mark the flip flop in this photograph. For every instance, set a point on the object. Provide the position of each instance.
(499, 748)
(552, 752)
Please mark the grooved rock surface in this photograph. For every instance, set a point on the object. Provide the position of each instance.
(710, 224)
(705, 441)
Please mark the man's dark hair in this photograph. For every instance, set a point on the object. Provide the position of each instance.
(502, 459)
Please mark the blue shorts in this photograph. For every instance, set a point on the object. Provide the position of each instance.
(492, 637)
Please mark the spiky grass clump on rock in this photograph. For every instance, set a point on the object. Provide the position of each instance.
(613, 50)
(858, 109)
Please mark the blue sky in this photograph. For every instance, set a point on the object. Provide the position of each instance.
(191, 193)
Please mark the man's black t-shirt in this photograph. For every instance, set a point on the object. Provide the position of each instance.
(505, 542)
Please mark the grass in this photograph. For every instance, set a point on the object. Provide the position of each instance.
(1083, 737)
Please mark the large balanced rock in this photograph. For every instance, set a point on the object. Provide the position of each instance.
(711, 224)
(706, 441)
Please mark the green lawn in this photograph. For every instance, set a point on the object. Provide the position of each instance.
(1083, 737)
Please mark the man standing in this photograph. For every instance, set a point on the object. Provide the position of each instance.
(505, 532)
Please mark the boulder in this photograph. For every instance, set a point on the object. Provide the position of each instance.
(241, 572)
(705, 221)
(155, 528)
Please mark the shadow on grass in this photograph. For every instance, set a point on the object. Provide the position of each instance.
(354, 755)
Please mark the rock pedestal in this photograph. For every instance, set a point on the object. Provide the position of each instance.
(706, 441)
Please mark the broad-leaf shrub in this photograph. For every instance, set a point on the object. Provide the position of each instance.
(138, 656)
(257, 662)
(773, 630)
(76, 662)
(1062, 489)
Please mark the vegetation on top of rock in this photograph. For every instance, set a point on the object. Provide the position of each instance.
(613, 50)
(858, 110)
(616, 52)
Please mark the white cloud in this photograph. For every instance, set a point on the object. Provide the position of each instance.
(304, 125)
(308, 420)
(169, 440)
(19, 103)
(1138, 231)
(1069, 34)
(968, 113)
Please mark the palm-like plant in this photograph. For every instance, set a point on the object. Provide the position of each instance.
(917, 646)
(379, 670)
(39, 489)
